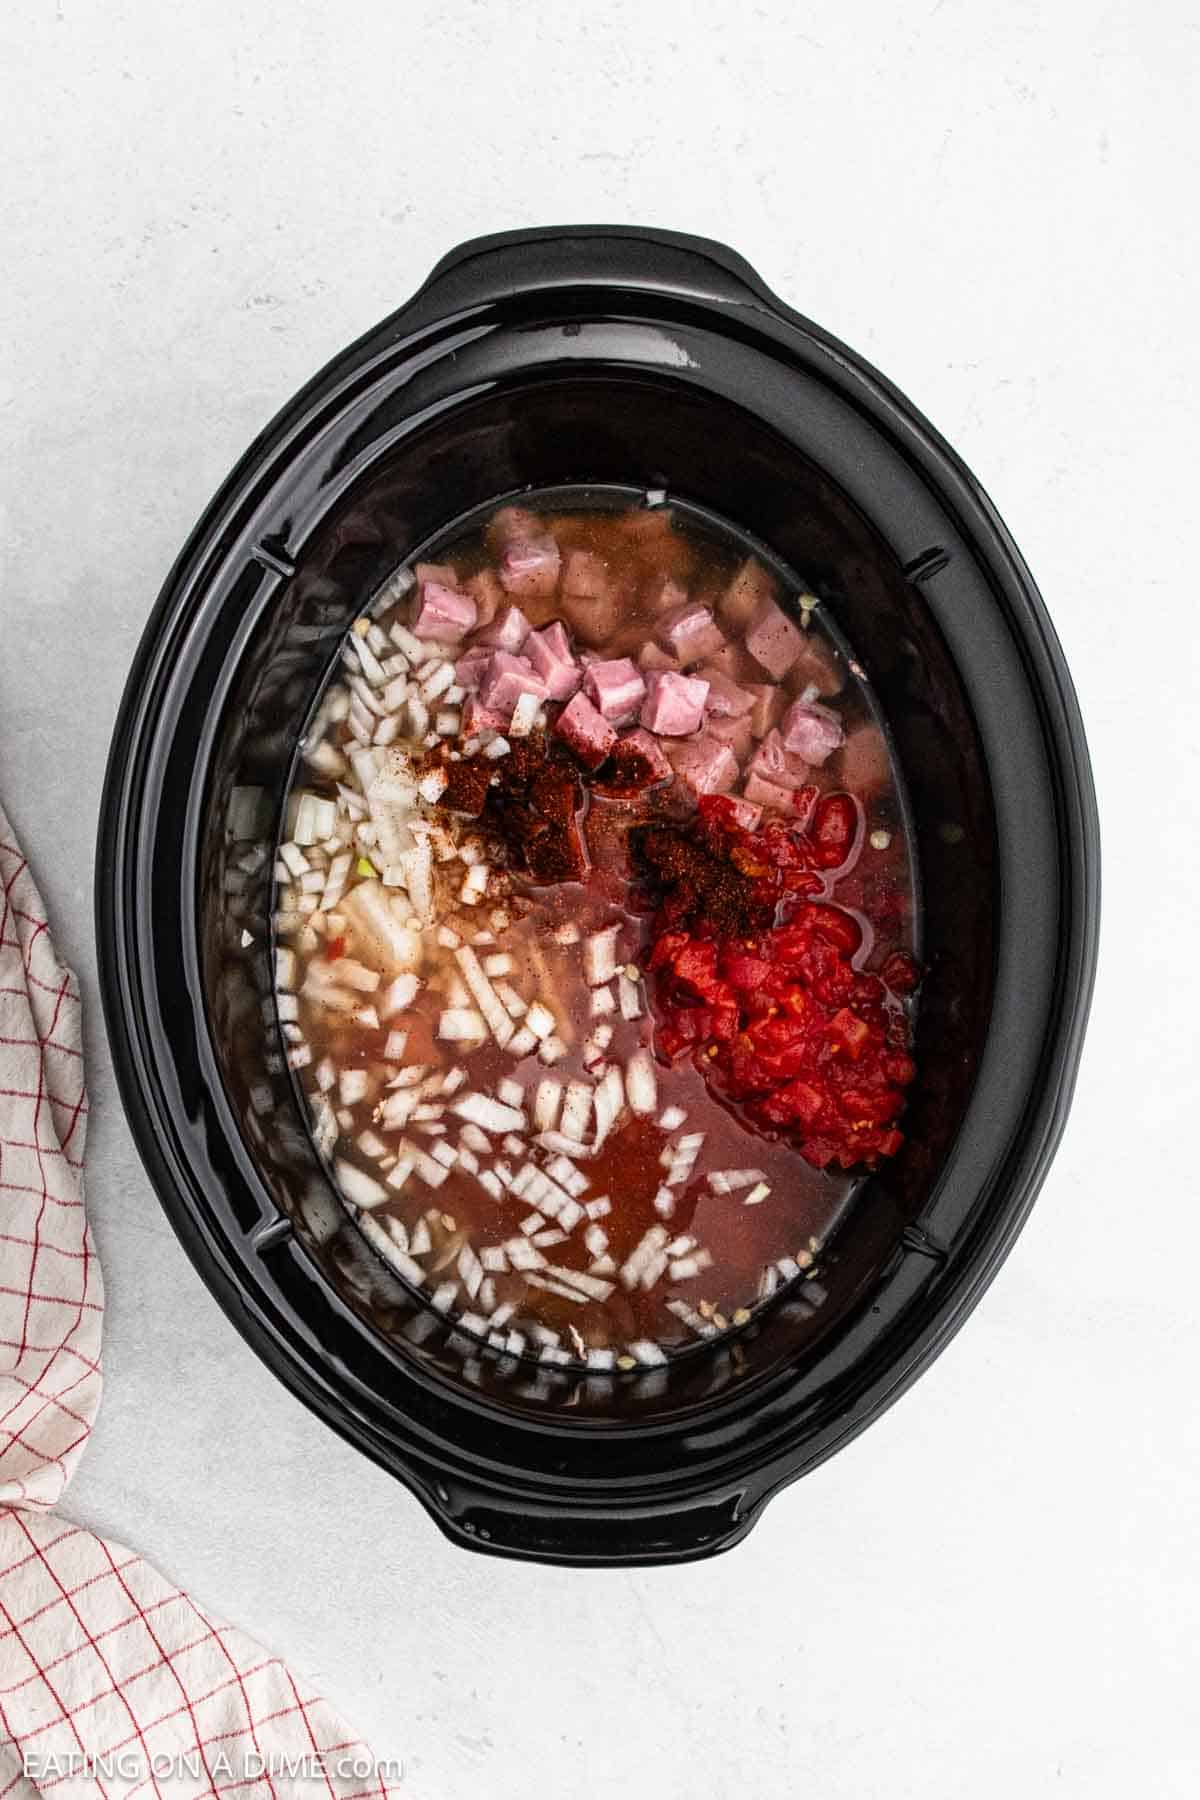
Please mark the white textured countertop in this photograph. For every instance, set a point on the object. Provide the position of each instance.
(995, 1591)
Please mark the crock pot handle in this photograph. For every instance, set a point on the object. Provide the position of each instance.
(614, 1536)
(487, 268)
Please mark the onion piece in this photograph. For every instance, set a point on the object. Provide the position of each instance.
(641, 1084)
(629, 996)
(545, 1103)
(599, 955)
(474, 885)
(524, 1043)
(564, 1146)
(358, 1186)
(576, 1110)
(594, 1288)
(460, 1025)
(489, 1114)
(489, 1004)
(540, 1019)
(563, 1170)
(352, 1086)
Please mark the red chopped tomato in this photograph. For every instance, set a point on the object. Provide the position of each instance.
(834, 829)
(779, 1019)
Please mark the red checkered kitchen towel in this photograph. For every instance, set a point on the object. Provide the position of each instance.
(112, 1681)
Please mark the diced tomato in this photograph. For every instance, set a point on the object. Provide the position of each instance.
(782, 1022)
(744, 970)
(853, 1034)
(901, 973)
(834, 829)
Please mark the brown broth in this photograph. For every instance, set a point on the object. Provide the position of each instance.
(785, 1230)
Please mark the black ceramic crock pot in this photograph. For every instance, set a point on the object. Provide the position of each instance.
(598, 356)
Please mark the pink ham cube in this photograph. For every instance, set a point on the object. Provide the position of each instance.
(674, 704)
(649, 747)
(811, 732)
(769, 703)
(505, 679)
(468, 670)
(442, 612)
(690, 632)
(653, 656)
(775, 763)
(726, 699)
(445, 573)
(769, 794)
(507, 631)
(749, 588)
(772, 639)
(511, 524)
(477, 718)
(705, 765)
(585, 732)
(549, 650)
(529, 566)
(590, 602)
(817, 670)
(487, 594)
(734, 732)
(665, 595)
(864, 764)
(616, 688)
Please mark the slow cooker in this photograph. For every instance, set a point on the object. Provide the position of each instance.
(598, 357)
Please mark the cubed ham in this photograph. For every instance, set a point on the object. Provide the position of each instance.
(768, 794)
(444, 573)
(511, 524)
(769, 705)
(647, 745)
(507, 631)
(816, 671)
(664, 595)
(811, 732)
(773, 640)
(734, 661)
(705, 765)
(549, 650)
(734, 732)
(468, 670)
(487, 594)
(674, 704)
(529, 566)
(616, 688)
(749, 588)
(774, 762)
(726, 698)
(863, 763)
(476, 717)
(585, 731)
(590, 601)
(653, 656)
(442, 612)
(690, 632)
(505, 679)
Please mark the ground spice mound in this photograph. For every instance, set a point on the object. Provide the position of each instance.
(707, 883)
(529, 799)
